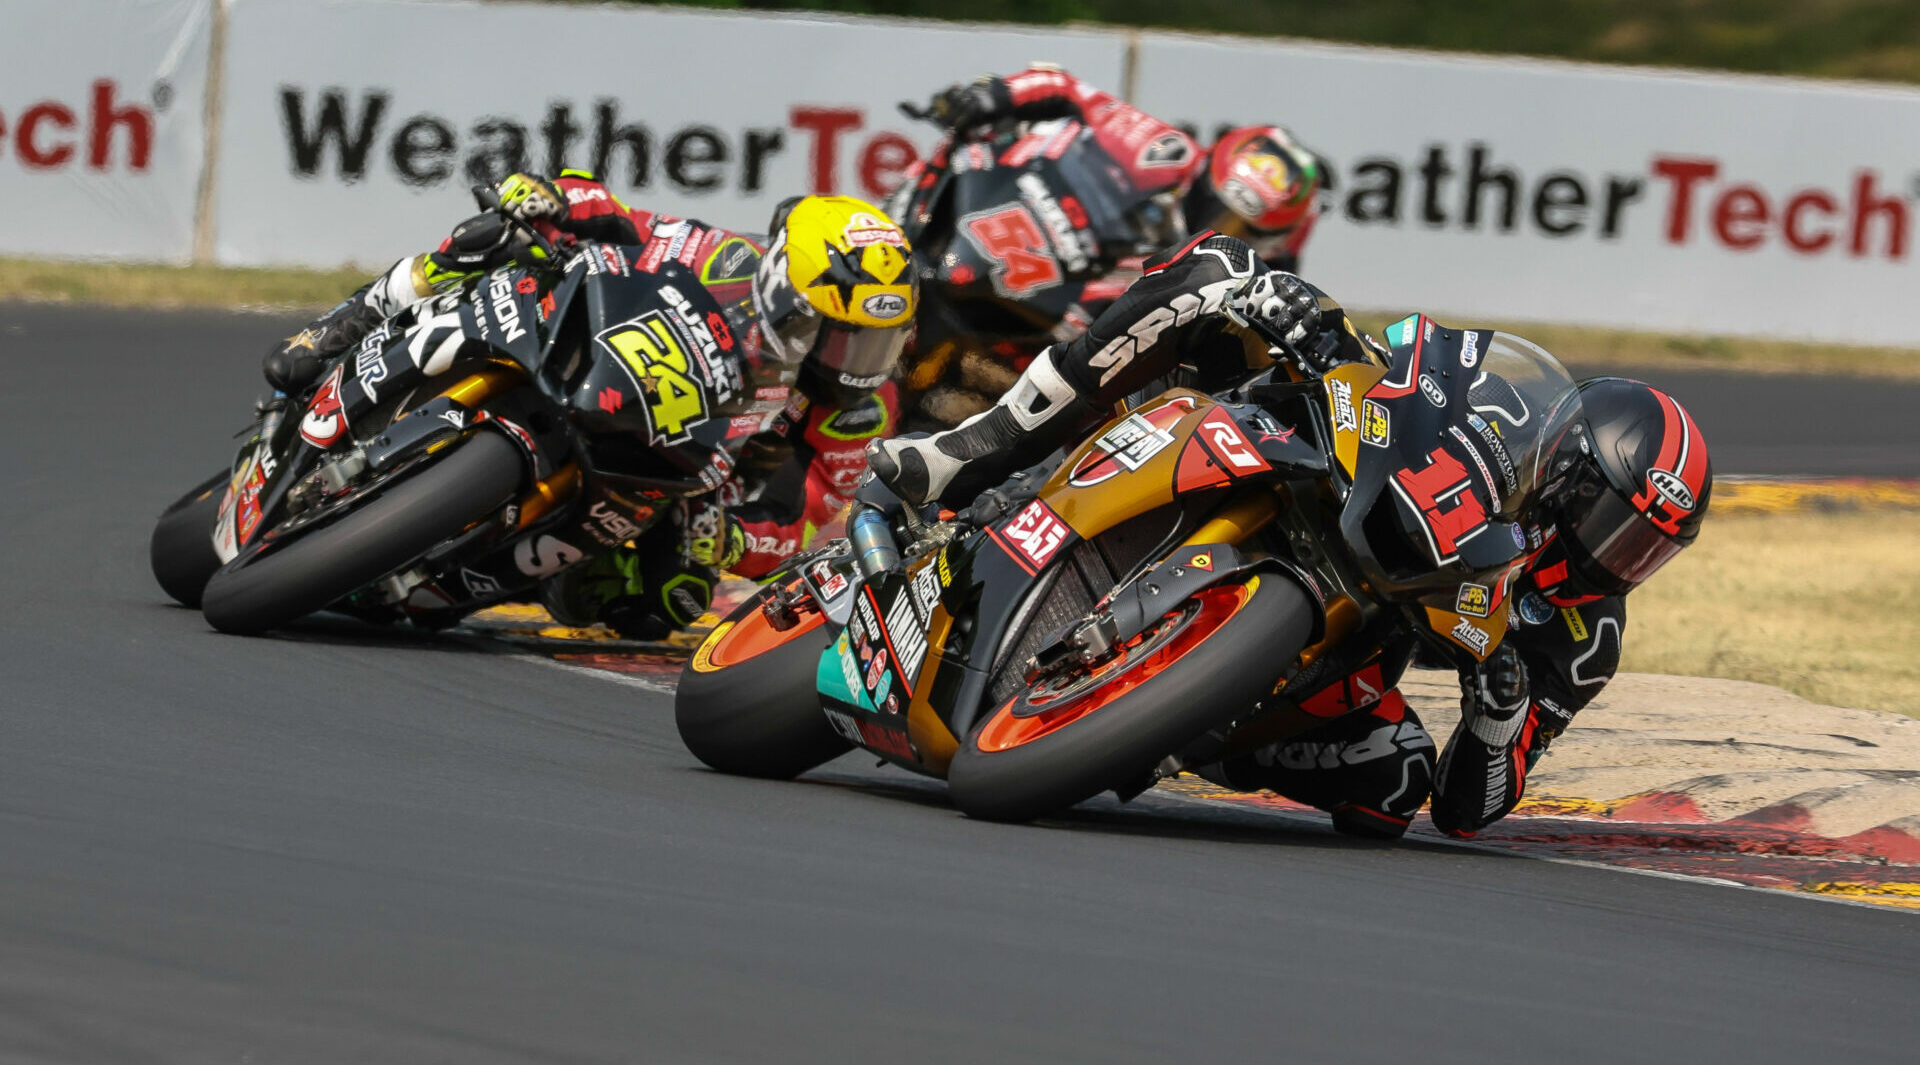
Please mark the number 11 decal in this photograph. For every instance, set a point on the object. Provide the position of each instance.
(1441, 493)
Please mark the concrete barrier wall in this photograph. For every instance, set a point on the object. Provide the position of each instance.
(349, 130)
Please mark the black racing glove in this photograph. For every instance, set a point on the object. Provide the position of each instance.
(1279, 306)
(480, 243)
(962, 107)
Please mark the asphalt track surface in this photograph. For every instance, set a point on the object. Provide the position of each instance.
(342, 844)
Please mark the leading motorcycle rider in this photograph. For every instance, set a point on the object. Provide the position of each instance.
(829, 296)
(1625, 490)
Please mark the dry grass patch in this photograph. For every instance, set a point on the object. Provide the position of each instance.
(1824, 605)
(144, 285)
(1586, 350)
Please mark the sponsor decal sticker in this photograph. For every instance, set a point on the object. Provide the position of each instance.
(1473, 599)
(1375, 426)
(1534, 610)
(1470, 350)
(1431, 389)
(1032, 536)
(325, 422)
(1472, 637)
(544, 556)
(1341, 395)
(1125, 447)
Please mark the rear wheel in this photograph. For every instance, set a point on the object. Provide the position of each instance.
(258, 592)
(747, 702)
(1072, 736)
(181, 550)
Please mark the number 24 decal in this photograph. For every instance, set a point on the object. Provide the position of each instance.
(654, 357)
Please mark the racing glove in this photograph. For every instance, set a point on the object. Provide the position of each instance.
(709, 536)
(531, 198)
(1277, 305)
(962, 107)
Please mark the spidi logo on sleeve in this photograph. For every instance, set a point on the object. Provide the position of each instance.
(347, 136)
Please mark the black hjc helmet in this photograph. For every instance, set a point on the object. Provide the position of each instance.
(1629, 484)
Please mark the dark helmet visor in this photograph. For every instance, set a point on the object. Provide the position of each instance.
(1620, 545)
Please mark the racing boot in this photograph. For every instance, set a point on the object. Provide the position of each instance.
(296, 362)
(1039, 413)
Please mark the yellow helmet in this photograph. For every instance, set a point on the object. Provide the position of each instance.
(837, 293)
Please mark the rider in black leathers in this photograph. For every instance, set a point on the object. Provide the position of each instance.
(1630, 486)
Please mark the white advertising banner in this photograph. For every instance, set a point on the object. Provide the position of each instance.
(354, 128)
(102, 126)
(1510, 189)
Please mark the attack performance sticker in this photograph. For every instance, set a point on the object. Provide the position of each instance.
(1033, 536)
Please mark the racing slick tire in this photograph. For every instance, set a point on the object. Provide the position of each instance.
(747, 704)
(1200, 667)
(254, 593)
(181, 549)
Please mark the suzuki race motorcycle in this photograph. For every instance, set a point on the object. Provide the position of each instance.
(581, 402)
(1022, 234)
(1201, 577)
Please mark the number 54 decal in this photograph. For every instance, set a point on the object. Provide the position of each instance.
(658, 365)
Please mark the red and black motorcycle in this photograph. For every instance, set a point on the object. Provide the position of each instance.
(1199, 578)
(1023, 233)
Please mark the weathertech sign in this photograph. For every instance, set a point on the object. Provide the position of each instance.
(1626, 198)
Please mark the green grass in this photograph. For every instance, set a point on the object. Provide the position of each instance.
(130, 285)
(141, 285)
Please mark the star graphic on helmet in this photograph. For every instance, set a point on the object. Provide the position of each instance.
(843, 273)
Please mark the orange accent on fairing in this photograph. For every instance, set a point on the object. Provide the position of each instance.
(558, 487)
(476, 389)
(747, 638)
(1342, 620)
(1218, 605)
(1449, 624)
(932, 738)
(1239, 518)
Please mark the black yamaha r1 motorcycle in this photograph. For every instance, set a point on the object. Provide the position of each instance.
(1019, 232)
(581, 401)
(1201, 577)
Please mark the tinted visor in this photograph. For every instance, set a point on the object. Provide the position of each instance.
(854, 356)
(1623, 546)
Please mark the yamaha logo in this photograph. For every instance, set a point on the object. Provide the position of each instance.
(1672, 488)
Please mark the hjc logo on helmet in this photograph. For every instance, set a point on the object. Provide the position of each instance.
(1671, 488)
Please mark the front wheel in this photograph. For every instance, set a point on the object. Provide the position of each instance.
(181, 550)
(257, 592)
(747, 703)
(1072, 736)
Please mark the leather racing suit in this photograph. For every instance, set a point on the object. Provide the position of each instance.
(668, 581)
(1375, 766)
